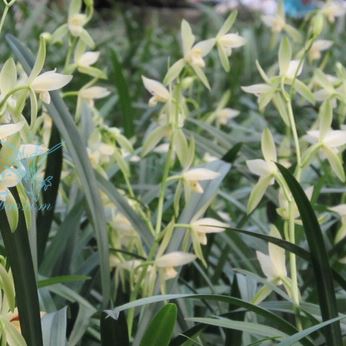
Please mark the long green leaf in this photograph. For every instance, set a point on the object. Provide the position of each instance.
(297, 250)
(124, 95)
(161, 328)
(19, 256)
(293, 339)
(279, 322)
(319, 258)
(56, 248)
(53, 169)
(54, 328)
(69, 132)
(248, 327)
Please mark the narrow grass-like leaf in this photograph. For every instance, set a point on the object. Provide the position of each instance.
(62, 280)
(279, 322)
(121, 203)
(319, 258)
(49, 196)
(54, 328)
(248, 327)
(19, 256)
(124, 95)
(58, 244)
(297, 250)
(161, 328)
(293, 339)
(69, 132)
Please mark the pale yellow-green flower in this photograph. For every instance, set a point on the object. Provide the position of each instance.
(327, 140)
(273, 265)
(8, 130)
(226, 41)
(49, 81)
(206, 225)
(265, 169)
(169, 261)
(194, 176)
(93, 93)
(193, 55)
(317, 48)
(158, 91)
(332, 10)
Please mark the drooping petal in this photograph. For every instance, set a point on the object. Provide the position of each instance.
(205, 46)
(10, 129)
(174, 259)
(50, 80)
(277, 256)
(230, 41)
(208, 225)
(266, 265)
(157, 89)
(339, 209)
(94, 93)
(200, 174)
(88, 58)
(257, 89)
(260, 167)
(335, 138)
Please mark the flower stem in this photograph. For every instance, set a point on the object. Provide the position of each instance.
(293, 265)
(163, 188)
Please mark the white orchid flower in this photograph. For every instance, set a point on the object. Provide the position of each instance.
(332, 10)
(277, 23)
(49, 81)
(317, 47)
(76, 21)
(158, 91)
(294, 69)
(326, 140)
(8, 130)
(341, 211)
(283, 209)
(98, 151)
(265, 169)
(8, 178)
(93, 93)
(226, 41)
(257, 89)
(27, 151)
(223, 116)
(171, 260)
(87, 59)
(273, 265)
(193, 55)
(193, 177)
(203, 226)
